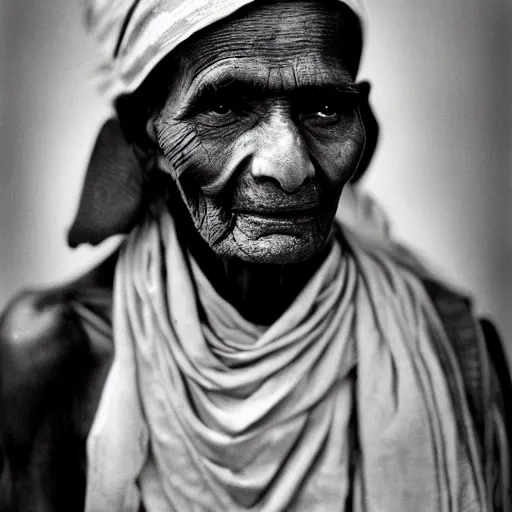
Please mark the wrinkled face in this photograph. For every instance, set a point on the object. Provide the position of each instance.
(261, 130)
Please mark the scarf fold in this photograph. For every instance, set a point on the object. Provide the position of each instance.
(205, 411)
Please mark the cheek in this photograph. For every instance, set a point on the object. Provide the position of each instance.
(211, 220)
(338, 151)
(199, 152)
(193, 169)
(181, 148)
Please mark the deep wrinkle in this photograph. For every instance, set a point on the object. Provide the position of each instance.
(260, 131)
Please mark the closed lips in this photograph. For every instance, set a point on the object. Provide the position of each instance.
(278, 212)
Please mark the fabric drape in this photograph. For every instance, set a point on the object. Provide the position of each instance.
(203, 410)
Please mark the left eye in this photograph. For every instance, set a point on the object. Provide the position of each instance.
(322, 111)
(327, 111)
(222, 108)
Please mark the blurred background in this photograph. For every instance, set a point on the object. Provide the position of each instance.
(442, 90)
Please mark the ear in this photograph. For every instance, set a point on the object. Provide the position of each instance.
(112, 197)
(371, 127)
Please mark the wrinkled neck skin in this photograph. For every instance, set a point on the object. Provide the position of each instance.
(260, 132)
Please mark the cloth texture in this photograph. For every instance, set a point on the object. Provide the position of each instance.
(134, 35)
(204, 411)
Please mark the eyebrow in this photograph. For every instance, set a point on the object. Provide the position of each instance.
(240, 84)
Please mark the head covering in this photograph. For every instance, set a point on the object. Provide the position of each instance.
(135, 35)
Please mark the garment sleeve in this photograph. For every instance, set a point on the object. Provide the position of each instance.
(500, 410)
(41, 353)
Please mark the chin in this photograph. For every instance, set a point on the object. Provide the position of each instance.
(275, 240)
(276, 249)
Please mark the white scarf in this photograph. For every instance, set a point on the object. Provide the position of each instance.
(203, 411)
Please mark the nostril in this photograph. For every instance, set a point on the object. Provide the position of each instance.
(291, 183)
(262, 180)
(290, 175)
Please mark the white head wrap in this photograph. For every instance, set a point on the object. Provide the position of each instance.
(135, 35)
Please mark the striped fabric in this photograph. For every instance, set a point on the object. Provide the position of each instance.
(134, 35)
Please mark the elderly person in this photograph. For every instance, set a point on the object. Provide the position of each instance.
(243, 350)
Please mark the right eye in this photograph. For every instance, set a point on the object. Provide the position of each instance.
(221, 108)
(223, 112)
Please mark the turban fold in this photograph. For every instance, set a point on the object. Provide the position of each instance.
(135, 35)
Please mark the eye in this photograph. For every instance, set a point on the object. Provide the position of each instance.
(222, 111)
(327, 109)
(222, 108)
(227, 106)
(321, 110)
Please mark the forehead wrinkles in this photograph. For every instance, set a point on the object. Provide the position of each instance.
(274, 35)
(282, 78)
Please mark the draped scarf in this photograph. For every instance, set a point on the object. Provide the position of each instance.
(344, 398)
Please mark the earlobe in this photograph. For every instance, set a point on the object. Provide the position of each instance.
(371, 127)
(112, 195)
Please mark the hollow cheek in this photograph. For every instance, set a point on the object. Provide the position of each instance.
(210, 217)
(209, 155)
(188, 160)
(181, 148)
(338, 153)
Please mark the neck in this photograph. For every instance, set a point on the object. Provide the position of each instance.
(260, 292)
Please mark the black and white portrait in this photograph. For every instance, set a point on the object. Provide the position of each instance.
(255, 256)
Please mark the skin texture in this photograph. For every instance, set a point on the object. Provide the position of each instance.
(260, 131)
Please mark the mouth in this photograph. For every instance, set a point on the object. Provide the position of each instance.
(261, 223)
(278, 213)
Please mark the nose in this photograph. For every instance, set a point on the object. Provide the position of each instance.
(282, 155)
